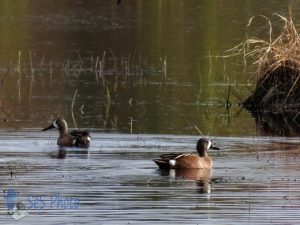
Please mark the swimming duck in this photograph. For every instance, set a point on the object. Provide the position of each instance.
(78, 138)
(188, 161)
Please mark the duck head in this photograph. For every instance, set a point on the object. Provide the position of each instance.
(59, 124)
(203, 145)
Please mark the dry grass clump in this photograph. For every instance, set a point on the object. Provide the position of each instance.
(277, 63)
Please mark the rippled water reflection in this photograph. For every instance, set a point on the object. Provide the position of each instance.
(254, 180)
(140, 67)
(129, 62)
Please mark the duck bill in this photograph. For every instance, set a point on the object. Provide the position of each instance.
(214, 147)
(48, 128)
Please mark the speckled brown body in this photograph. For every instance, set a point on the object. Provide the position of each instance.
(192, 161)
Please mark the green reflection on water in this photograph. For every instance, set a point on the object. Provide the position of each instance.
(159, 73)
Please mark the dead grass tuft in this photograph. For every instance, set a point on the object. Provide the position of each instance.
(277, 64)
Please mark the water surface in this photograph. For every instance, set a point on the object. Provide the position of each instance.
(149, 62)
(147, 68)
(254, 180)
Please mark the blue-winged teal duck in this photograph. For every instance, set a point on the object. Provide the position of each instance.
(78, 138)
(188, 161)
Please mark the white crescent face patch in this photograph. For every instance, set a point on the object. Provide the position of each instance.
(55, 124)
(209, 144)
(88, 138)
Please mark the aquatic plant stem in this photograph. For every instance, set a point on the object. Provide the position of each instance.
(51, 72)
(165, 67)
(32, 77)
(20, 77)
(198, 130)
(131, 120)
(72, 109)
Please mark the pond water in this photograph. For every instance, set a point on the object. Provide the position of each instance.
(140, 66)
(145, 78)
(115, 181)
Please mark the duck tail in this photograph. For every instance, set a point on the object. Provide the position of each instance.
(162, 164)
(82, 142)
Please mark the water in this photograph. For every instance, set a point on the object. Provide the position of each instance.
(147, 68)
(152, 63)
(253, 181)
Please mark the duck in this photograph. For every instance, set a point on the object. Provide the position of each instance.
(77, 138)
(187, 160)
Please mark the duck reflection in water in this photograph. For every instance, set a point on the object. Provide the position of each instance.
(63, 153)
(60, 154)
(201, 177)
